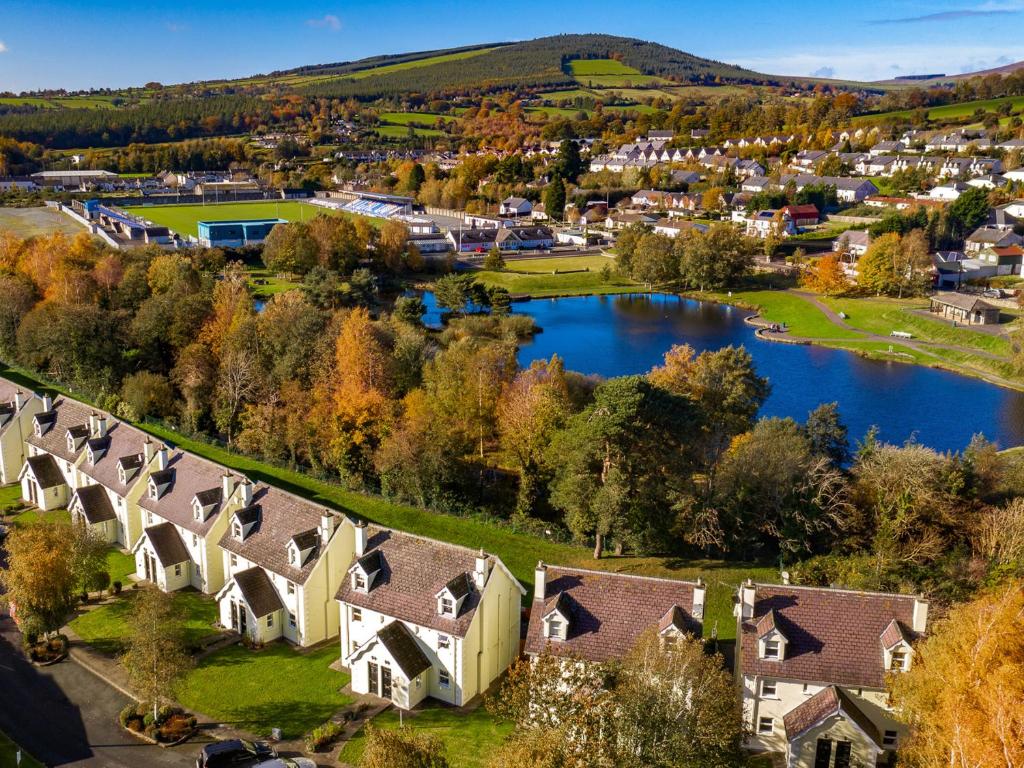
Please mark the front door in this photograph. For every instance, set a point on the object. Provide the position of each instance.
(147, 561)
(234, 615)
(32, 496)
(385, 683)
(823, 754)
(241, 619)
(842, 754)
(372, 671)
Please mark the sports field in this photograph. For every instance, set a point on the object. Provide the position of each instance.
(26, 222)
(184, 218)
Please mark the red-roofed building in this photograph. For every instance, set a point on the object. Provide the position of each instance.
(803, 215)
(812, 663)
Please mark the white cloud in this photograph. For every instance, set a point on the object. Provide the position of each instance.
(3, 48)
(881, 62)
(329, 21)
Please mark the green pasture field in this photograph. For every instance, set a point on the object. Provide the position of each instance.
(420, 118)
(401, 131)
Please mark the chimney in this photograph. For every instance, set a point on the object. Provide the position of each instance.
(360, 539)
(748, 594)
(47, 403)
(92, 424)
(920, 615)
(246, 492)
(480, 569)
(540, 578)
(327, 524)
(227, 486)
(161, 457)
(147, 451)
(101, 426)
(698, 599)
(19, 400)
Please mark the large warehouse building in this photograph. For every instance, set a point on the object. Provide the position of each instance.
(234, 234)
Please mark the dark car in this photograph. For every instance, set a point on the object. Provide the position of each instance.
(234, 753)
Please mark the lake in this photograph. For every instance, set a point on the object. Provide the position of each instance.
(620, 335)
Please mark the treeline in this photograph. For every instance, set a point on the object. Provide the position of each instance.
(192, 155)
(147, 123)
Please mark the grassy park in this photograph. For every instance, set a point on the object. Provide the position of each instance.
(566, 276)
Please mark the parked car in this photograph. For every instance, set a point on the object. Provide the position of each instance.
(287, 762)
(234, 753)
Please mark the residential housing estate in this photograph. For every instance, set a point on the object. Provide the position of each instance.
(417, 618)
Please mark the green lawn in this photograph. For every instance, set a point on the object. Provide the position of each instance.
(120, 565)
(802, 317)
(950, 111)
(32, 516)
(10, 495)
(470, 737)
(184, 219)
(537, 277)
(269, 283)
(272, 688)
(609, 73)
(419, 118)
(401, 131)
(882, 316)
(106, 627)
(8, 752)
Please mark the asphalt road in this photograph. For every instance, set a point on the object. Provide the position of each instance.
(66, 716)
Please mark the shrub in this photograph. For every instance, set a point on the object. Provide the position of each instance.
(117, 587)
(147, 719)
(99, 581)
(323, 735)
(126, 714)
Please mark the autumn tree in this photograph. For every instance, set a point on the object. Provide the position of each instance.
(291, 248)
(713, 260)
(155, 657)
(402, 748)
(963, 696)
(532, 407)
(826, 276)
(42, 575)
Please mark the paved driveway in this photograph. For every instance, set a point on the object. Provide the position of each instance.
(65, 715)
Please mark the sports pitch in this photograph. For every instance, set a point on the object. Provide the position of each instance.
(183, 219)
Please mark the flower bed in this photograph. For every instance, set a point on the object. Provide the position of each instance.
(171, 726)
(46, 651)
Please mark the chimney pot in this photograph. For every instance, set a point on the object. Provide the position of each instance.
(246, 492)
(19, 400)
(47, 403)
(360, 538)
(227, 485)
(540, 576)
(101, 426)
(162, 458)
(147, 451)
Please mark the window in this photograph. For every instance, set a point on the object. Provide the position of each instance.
(270, 620)
(196, 510)
(195, 540)
(447, 606)
(766, 726)
(236, 530)
(357, 614)
(291, 589)
(899, 661)
(177, 569)
(554, 628)
(443, 641)
(291, 619)
(291, 555)
(359, 581)
(444, 679)
(234, 561)
(768, 689)
(152, 491)
(771, 649)
(890, 738)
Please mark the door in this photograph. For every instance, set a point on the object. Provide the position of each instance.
(147, 561)
(372, 671)
(241, 619)
(385, 682)
(843, 754)
(823, 754)
(234, 615)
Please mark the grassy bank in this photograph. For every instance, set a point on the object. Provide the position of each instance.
(566, 276)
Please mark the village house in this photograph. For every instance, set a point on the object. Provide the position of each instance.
(990, 237)
(283, 561)
(673, 227)
(505, 238)
(964, 309)
(17, 409)
(947, 192)
(186, 507)
(519, 207)
(811, 664)
(54, 444)
(765, 223)
(802, 215)
(113, 472)
(424, 618)
(598, 616)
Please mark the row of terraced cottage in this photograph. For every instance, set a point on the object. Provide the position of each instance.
(417, 617)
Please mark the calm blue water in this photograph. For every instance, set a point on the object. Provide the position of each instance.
(618, 335)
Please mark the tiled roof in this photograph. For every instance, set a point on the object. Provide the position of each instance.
(412, 571)
(167, 544)
(893, 635)
(765, 624)
(280, 517)
(963, 301)
(124, 441)
(824, 704)
(404, 649)
(188, 475)
(832, 635)
(607, 611)
(69, 414)
(95, 504)
(258, 591)
(45, 470)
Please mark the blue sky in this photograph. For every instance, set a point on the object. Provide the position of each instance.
(57, 43)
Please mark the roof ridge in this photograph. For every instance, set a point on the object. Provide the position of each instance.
(835, 590)
(636, 576)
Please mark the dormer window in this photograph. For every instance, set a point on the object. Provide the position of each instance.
(899, 660)
(447, 607)
(37, 428)
(204, 503)
(244, 522)
(556, 618)
(365, 569)
(451, 597)
(772, 649)
(358, 582)
(159, 482)
(771, 642)
(71, 443)
(555, 627)
(292, 555)
(236, 530)
(896, 648)
(197, 509)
